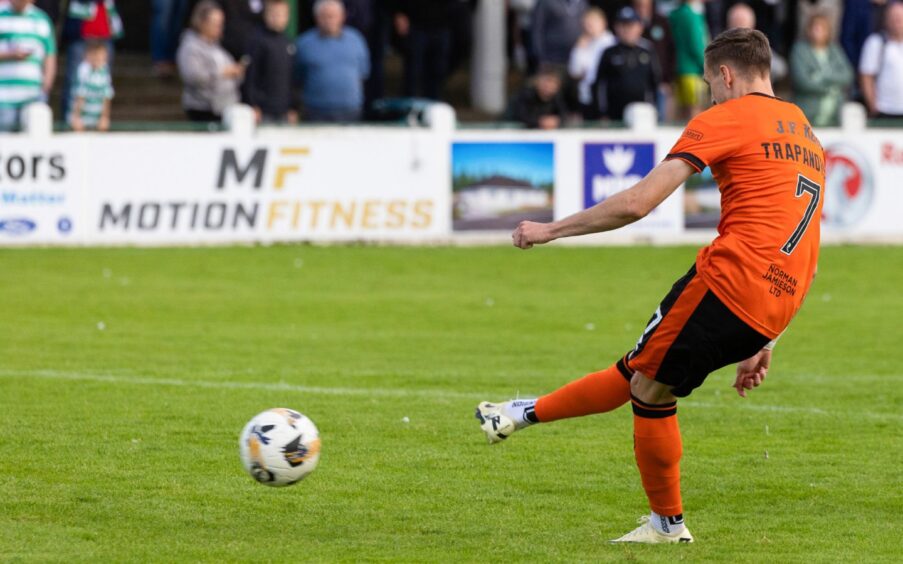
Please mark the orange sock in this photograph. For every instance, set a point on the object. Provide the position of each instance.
(657, 445)
(594, 393)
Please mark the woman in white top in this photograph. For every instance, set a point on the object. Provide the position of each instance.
(585, 58)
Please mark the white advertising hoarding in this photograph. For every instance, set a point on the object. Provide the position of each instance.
(385, 184)
(352, 185)
(301, 185)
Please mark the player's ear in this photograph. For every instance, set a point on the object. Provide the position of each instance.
(727, 76)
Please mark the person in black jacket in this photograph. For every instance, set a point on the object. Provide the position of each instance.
(426, 26)
(268, 80)
(629, 70)
(657, 31)
(243, 17)
(541, 104)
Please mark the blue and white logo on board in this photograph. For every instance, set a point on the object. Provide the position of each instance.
(609, 168)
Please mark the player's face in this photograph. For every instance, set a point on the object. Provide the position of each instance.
(716, 81)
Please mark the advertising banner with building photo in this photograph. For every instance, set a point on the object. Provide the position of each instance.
(496, 185)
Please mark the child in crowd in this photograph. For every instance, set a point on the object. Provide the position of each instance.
(585, 57)
(92, 90)
(540, 105)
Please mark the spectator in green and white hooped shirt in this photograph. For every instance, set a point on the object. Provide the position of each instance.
(92, 91)
(27, 59)
(86, 20)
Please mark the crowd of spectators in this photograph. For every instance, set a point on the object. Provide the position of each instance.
(578, 68)
(824, 53)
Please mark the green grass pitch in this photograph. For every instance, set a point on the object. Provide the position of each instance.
(127, 375)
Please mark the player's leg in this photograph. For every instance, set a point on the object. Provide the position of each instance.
(598, 392)
(674, 361)
(658, 447)
(602, 391)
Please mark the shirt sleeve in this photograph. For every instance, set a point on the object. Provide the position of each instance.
(710, 137)
(870, 59)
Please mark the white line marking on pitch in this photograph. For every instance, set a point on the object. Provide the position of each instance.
(383, 392)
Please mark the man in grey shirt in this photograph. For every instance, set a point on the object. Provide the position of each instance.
(555, 27)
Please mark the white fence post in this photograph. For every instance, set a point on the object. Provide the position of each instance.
(37, 120)
(440, 118)
(641, 117)
(488, 69)
(240, 120)
(853, 117)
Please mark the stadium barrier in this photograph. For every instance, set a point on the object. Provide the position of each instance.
(428, 183)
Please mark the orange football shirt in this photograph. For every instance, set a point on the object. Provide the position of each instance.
(770, 170)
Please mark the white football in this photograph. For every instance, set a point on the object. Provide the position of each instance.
(279, 447)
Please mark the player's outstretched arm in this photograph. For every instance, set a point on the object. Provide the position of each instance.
(623, 208)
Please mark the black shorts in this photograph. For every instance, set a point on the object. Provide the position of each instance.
(691, 334)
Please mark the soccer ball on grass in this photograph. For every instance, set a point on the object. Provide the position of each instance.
(279, 447)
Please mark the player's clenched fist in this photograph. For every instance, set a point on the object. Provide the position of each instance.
(530, 233)
(751, 372)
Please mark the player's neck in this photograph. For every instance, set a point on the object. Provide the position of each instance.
(757, 86)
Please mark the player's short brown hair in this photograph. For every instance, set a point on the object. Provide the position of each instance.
(747, 50)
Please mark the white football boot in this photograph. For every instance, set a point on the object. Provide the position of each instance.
(647, 534)
(494, 422)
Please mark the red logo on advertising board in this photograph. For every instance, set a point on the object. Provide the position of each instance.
(851, 186)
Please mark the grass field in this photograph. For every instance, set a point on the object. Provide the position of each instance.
(127, 375)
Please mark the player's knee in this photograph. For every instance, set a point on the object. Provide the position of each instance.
(649, 391)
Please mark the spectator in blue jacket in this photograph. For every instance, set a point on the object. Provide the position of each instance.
(332, 63)
(860, 19)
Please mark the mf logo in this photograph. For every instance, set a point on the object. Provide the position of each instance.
(609, 168)
(288, 162)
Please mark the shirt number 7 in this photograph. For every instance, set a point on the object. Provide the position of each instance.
(803, 186)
